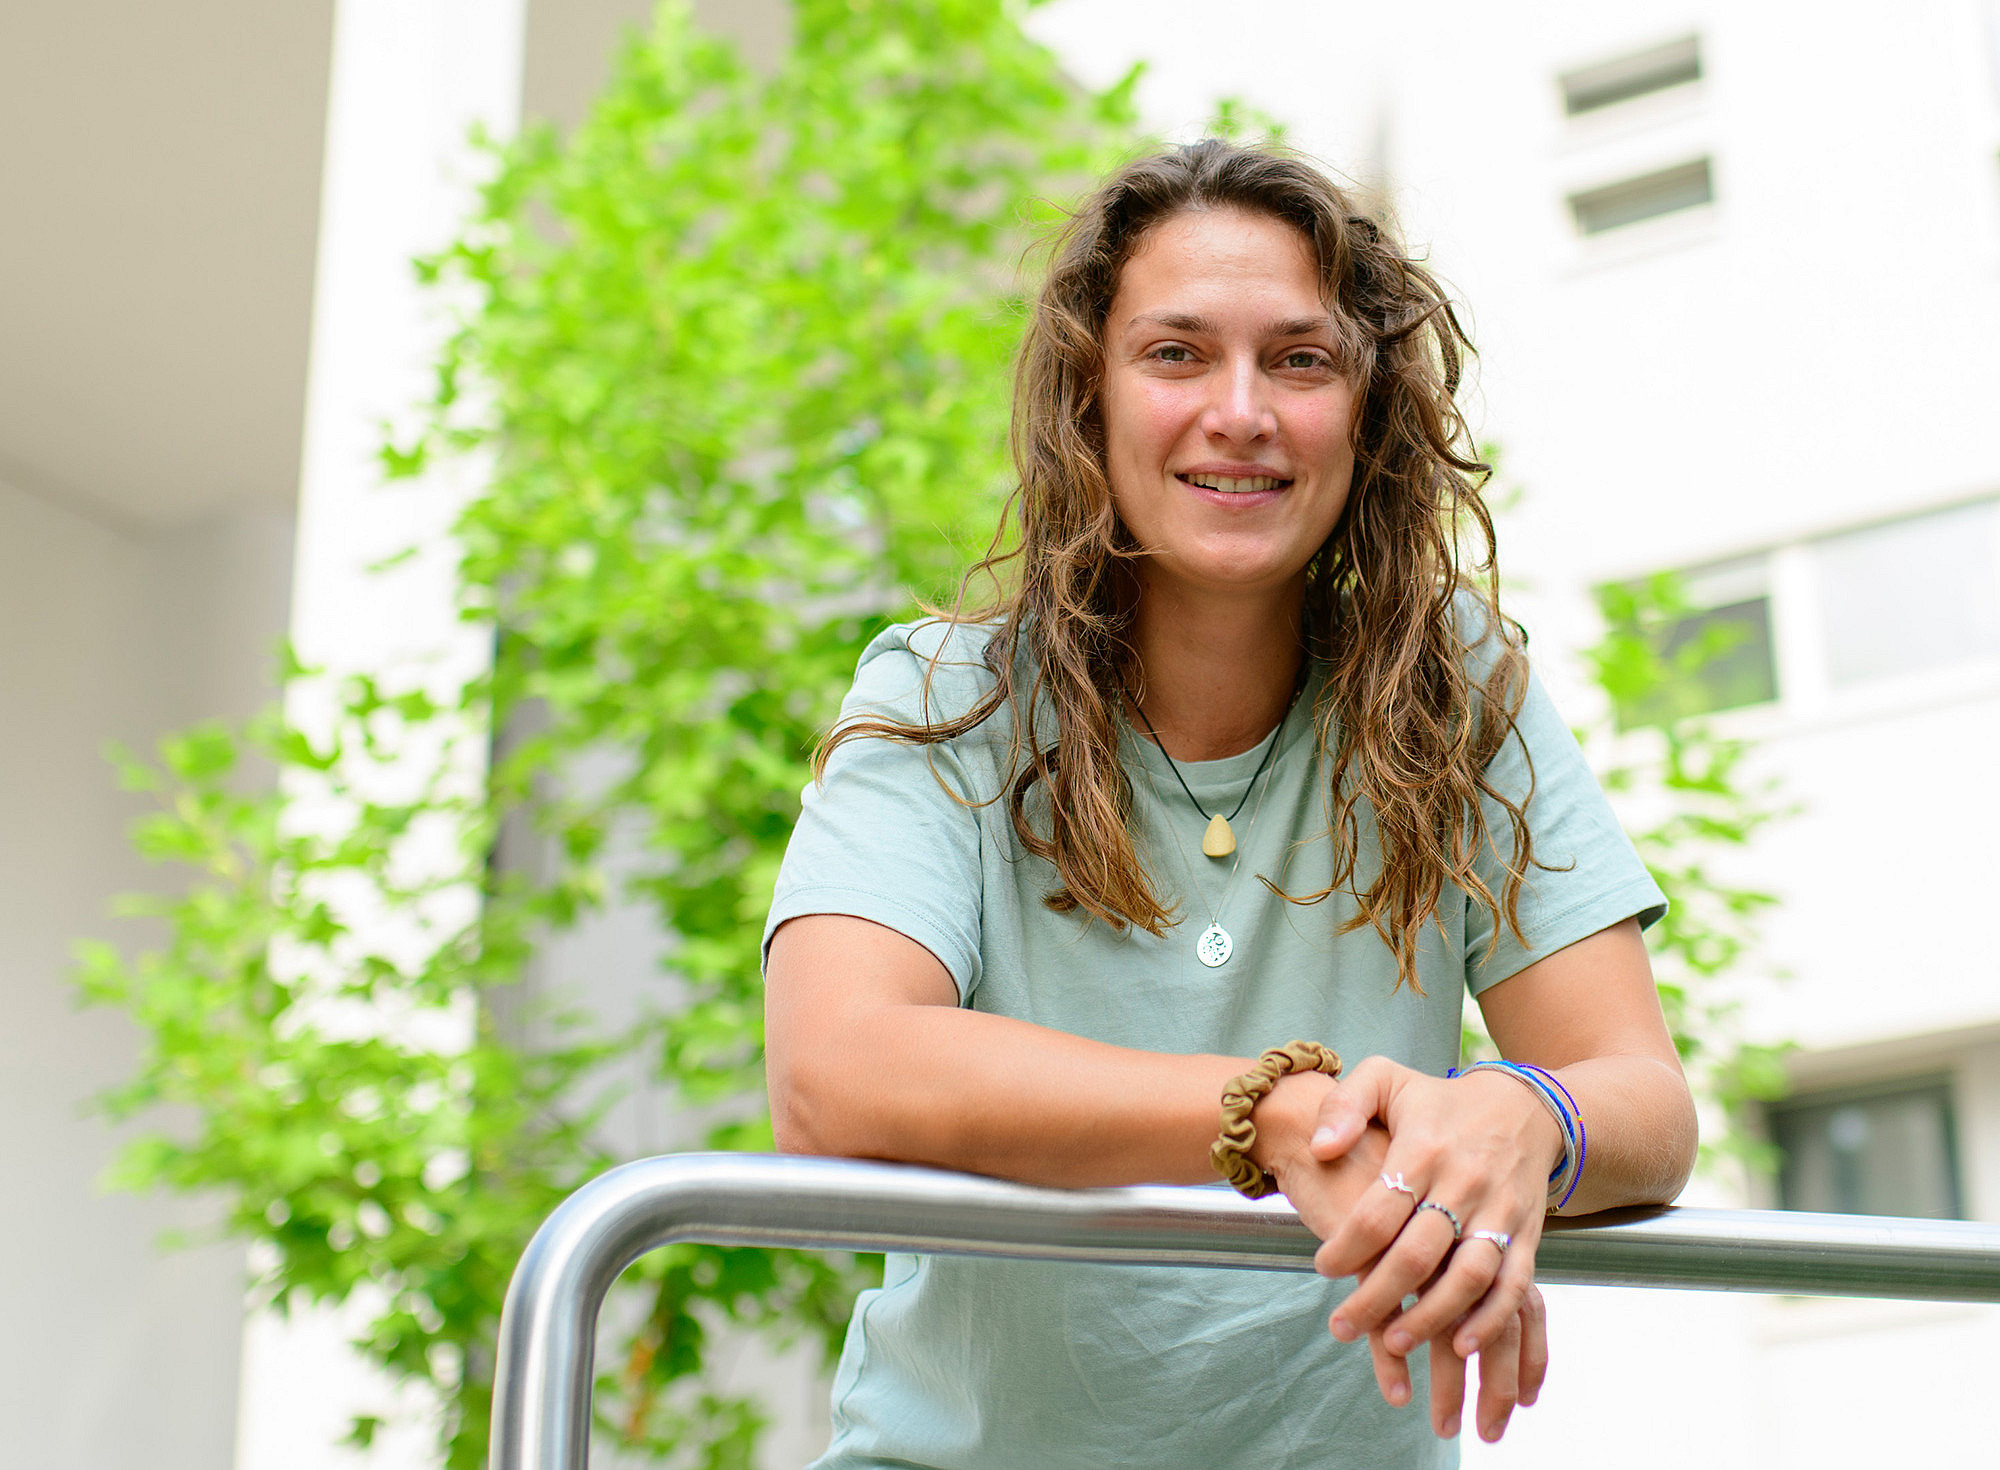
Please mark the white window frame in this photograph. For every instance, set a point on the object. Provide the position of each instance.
(1628, 140)
(1807, 697)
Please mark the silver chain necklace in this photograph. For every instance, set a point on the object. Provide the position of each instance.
(1214, 947)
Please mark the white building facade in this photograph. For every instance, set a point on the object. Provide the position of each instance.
(1734, 271)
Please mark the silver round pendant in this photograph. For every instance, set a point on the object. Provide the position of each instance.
(1214, 946)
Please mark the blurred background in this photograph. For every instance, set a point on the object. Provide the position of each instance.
(1734, 275)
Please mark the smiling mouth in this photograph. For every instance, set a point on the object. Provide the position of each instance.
(1230, 485)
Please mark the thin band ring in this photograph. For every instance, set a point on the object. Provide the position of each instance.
(1499, 1237)
(1457, 1226)
(1395, 1182)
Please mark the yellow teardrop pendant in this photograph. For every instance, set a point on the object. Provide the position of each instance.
(1218, 840)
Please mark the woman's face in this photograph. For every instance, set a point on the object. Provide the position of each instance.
(1226, 426)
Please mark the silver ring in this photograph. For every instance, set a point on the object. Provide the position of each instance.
(1499, 1237)
(1395, 1182)
(1457, 1229)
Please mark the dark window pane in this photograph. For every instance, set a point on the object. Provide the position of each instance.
(1630, 200)
(1715, 659)
(1885, 1151)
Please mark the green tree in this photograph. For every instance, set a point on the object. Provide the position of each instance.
(740, 352)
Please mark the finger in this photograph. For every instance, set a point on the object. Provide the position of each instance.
(1337, 1128)
(1534, 1344)
(1499, 1382)
(1447, 1388)
(1375, 1217)
(1348, 1108)
(1404, 1268)
(1371, 1223)
(1514, 1276)
(1392, 1372)
(1468, 1277)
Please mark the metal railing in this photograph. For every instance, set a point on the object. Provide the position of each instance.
(541, 1402)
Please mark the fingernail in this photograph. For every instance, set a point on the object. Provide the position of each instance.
(1492, 1432)
(1451, 1427)
(1324, 1138)
(1399, 1342)
(1343, 1329)
(1466, 1346)
(1399, 1394)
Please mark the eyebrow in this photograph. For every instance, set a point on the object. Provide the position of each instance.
(1181, 321)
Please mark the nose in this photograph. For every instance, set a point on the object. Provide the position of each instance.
(1240, 409)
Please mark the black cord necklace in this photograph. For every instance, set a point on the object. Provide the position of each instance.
(1219, 841)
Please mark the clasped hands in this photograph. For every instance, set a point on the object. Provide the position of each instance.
(1359, 1158)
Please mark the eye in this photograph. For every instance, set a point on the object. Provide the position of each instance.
(1306, 359)
(1172, 353)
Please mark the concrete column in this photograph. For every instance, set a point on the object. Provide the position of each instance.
(410, 79)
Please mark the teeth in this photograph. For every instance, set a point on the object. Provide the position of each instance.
(1232, 486)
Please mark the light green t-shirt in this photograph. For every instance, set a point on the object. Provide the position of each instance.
(966, 1364)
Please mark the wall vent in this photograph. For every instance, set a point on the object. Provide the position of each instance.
(1655, 69)
(1684, 186)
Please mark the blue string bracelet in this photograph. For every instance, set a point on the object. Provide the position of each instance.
(1561, 1105)
(1582, 1139)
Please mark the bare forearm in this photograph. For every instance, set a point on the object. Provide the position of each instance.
(961, 1089)
(1590, 1014)
(1639, 1131)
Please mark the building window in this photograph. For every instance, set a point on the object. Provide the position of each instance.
(1913, 594)
(1666, 191)
(1887, 1150)
(1606, 83)
(1698, 641)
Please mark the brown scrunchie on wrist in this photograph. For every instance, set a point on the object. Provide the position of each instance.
(1230, 1153)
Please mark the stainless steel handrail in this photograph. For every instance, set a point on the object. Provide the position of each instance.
(541, 1399)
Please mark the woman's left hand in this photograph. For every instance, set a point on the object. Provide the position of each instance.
(1481, 1146)
(1512, 1366)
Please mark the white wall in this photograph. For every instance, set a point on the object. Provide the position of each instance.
(161, 167)
(116, 1352)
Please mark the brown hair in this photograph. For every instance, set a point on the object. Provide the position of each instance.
(1408, 724)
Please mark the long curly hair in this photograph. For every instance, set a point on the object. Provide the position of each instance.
(1406, 721)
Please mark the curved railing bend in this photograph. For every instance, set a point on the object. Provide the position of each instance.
(541, 1401)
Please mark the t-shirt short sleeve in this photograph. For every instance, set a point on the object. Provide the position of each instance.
(1586, 875)
(889, 833)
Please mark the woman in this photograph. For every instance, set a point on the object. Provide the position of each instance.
(1243, 758)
